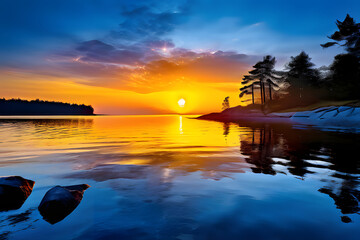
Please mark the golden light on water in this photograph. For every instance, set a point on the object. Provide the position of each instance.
(181, 102)
(180, 126)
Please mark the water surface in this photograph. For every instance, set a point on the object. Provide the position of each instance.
(171, 177)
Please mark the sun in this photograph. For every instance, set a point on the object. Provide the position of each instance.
(181, 102)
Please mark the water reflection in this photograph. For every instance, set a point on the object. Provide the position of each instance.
(260, 146)
(303, 153)
(346, 199)
(50, 122)
(178, 178)
(20, 221)
(226, 127)
(180, 125)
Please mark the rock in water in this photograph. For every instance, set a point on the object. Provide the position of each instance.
(14, 190)
(60, 201)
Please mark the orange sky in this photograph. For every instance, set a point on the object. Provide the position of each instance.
(202, 79)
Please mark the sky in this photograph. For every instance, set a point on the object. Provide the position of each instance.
(141, 57)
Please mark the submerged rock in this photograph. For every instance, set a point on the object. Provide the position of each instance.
(60, 201)
(14, 190)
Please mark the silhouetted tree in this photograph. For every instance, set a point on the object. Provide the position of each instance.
(344, 78)
(263, 75)
(249, 89)
(347, 36)
(301, 77)
(226, 104)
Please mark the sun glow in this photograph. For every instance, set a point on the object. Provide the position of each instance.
(181, 102)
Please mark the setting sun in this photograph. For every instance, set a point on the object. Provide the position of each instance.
(181, 102)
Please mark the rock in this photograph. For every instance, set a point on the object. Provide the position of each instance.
(14, 190)
(345, 108)
(60, 201)
(355, 112)
(343, 117)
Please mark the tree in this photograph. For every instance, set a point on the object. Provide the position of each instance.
(347, 36)
(263, 75)
(344, 78)
(301, 77)
(249, 89)
(226, 103)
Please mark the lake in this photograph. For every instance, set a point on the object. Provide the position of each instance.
(173, 177)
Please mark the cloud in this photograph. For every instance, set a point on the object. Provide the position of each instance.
(147, 68)
(143, 23)
(98, 51)
(185, 67)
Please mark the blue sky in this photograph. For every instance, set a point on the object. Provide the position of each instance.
(259, 27)
(151, 46)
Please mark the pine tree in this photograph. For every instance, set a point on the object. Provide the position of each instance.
(348, 36)
(344, 78)
(301, 76)
(262, 76)
(226, 103)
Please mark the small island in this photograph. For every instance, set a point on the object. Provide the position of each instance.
(40, 107)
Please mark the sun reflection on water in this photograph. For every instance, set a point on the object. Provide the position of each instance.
(180, 125)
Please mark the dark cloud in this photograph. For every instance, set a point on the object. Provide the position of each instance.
(98, 51)
(101, 52)
(146, 23)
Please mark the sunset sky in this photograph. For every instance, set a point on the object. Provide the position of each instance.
(141, 57)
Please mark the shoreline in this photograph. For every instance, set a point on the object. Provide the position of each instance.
(331, 116)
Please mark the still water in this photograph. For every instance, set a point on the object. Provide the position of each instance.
(173, 177)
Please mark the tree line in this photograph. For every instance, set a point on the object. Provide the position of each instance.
(301, 83)
(40, 107)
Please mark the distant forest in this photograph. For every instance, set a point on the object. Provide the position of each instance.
(39, 107)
